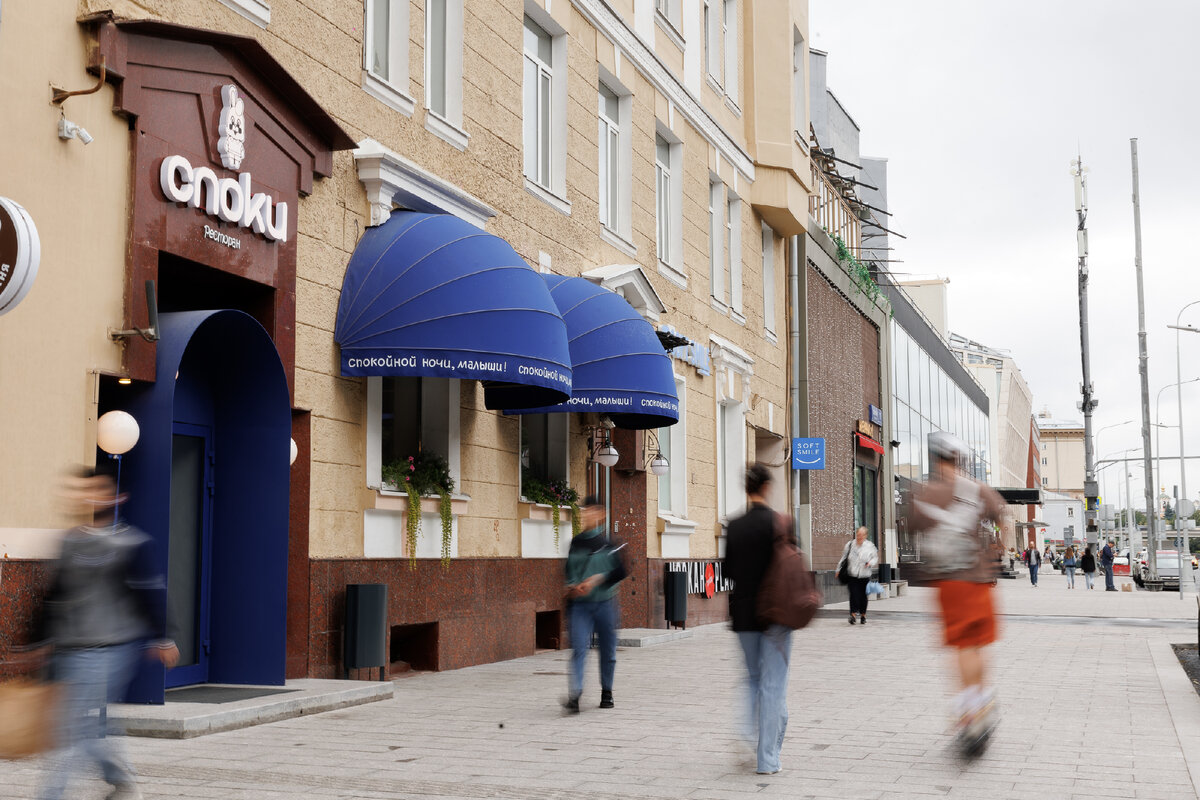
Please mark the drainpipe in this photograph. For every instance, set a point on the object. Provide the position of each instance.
(798, 373)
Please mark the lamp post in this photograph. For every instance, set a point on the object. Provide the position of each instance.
(1178, 385)
(116, 434)
(1182, 462)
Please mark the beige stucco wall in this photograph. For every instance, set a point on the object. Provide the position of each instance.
(53, 342)
(321, 46)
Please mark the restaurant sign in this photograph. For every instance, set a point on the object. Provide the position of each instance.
(20, 253)
(228, 199)
(703, 577)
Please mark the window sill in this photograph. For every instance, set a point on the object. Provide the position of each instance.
(732, 105)
(770, 336)
(543, 512)
(618, 241)
(446, 130)
(671, 525)
(719, 305)
(738, 318)
(666, 26)
(387, 94)
(394, 500)
(711, 80)
(548, 197)
(672, 274)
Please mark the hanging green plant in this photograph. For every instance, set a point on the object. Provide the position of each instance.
(424, 474)
(860, 274)
(553, 492)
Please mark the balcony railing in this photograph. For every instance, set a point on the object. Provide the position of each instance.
(831, 211)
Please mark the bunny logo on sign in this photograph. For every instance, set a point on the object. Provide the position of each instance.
(232, 144)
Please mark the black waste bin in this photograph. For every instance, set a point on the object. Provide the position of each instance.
(885, 573)
(365, 638)
(675, 591)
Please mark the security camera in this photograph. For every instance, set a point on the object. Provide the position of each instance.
(69, 130)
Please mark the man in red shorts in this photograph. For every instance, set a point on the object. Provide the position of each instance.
(956, 518)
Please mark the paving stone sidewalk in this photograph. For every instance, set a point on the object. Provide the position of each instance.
(1085, 714)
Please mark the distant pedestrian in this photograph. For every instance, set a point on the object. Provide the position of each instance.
(1033, 560)
(1087, 563)
(766, 648)
(1106, 561)
(861, 558)
(950, 512)
(105, 609)
(593, 570)
(1069, 567)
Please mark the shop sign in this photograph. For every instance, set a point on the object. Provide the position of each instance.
(868, 429)
(692, 353)
(228, 199)
(703, 577)
(20, 253)
(875, 414)
(808, 453)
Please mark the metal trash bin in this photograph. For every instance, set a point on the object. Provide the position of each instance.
(885, 573)
(675, 591)
(365, 631)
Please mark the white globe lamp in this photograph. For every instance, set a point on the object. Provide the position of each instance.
(659, 464)
(295, 452)
(607, 456)
(117, 432)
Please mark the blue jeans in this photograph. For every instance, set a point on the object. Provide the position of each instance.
(767, 656)
(1070, 576)
(1108, 577)
(89, 679)
(1033, 570)
(583, 618)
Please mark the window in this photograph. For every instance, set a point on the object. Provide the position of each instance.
(1070, 511)
(799, 85)
(768, 277)
(543, 447)
(716, 240)
(406, 416)
(663, 189)
(672, 443)
(733, 235)
(865, 483)
(385, 53)
(1045, 481)
(443, 70)
(538, 105)
(669, 10)
(731, 459)
(613, 164)
(1044, 461)
(712, 44)
(729, 36)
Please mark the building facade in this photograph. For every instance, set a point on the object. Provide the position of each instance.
(1062, 455)
(265, 166)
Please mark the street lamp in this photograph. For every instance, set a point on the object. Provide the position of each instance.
(116, 434)
(1159, 426)
(1102, 430)
(1182, 461)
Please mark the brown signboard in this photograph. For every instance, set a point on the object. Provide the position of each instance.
(20, 252)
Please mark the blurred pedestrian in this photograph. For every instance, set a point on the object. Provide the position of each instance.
(105, 608)
(1106, 561)
(767, 648)
(1087, 563)
(593, 569)
(1069, 566)
(950, 512)
(861, 558)
(1033, 560)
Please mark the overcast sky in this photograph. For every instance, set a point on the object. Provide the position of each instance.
(980, 108)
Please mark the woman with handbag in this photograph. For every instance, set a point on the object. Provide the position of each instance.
(859, 560)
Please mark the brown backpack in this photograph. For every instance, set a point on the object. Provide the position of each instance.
(787, 595)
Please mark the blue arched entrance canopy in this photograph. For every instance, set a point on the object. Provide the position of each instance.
(619, 365)
(218, 373)
(430, 294)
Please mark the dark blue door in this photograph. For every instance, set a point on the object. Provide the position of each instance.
(190, 550)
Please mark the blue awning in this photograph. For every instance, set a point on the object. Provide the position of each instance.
(620, 367)
(430, 294)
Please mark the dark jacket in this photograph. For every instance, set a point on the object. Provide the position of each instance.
(748, 550)
(591, 555)
(1106, 556)
(1088, 562)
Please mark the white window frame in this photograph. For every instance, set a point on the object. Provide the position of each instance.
(551, 187)
(713, 61)
(620, 224)
(733, 253)
(768, 280)
(799, 85)
(441, 407)
(448, 123)
(257, 11)
(392, 90)
(675, 481)
(667, 15)
(716, 240)
(730, 459)
(668, 207)
(729, 39)
(558, 430)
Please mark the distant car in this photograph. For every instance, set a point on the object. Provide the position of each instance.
(1121, 563)
(1167, 563)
